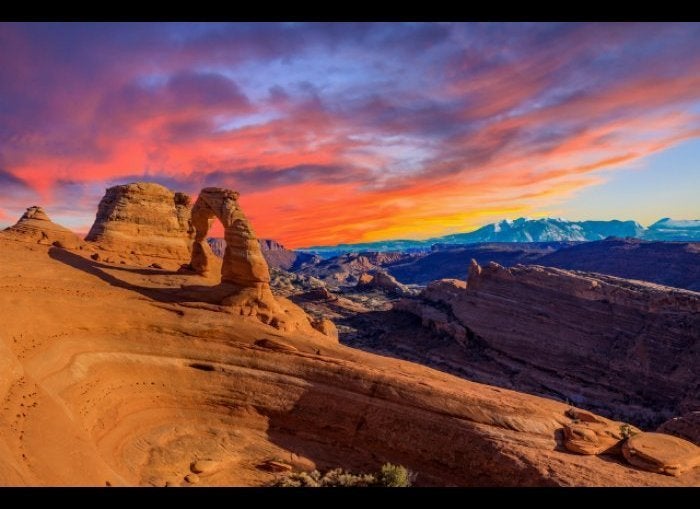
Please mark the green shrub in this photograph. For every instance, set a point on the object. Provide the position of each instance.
(626, 431)
(395, 476)
(392, 476)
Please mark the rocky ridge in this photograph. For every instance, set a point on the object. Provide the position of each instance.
(623, 348)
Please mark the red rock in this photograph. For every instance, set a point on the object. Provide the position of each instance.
(327, 327)
(144, 223)
(660, 453)
(686, 426)
(36, 226)
(606, 343)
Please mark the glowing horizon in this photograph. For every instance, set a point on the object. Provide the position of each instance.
(346, 133)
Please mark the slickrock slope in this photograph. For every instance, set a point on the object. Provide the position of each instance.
(125, 375)
(36, 226)
(143, 222)
(626, 349)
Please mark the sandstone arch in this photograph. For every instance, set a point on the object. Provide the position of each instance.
(243, 264)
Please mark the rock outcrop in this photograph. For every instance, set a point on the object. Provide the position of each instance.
(592, 434)
(144, 223)
(385, 282)
(686, 426)
(245, 275)
(243, 262)
(276, 255)
(660, 453)
(674, 264)
(325, 326)
(36, 226)
(345, 270)
(626, 349)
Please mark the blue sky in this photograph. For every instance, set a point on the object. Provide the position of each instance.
(352, 132)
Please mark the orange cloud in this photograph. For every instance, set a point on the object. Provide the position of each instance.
(414, 149)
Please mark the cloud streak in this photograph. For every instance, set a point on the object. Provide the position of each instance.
(349, 132)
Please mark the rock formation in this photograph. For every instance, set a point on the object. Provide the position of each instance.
(674, 264)
(144, 223)
(325, 326)
(686, 426)
(385, 282)
(36, 226)
(276, 255)
(243, 268)
(243, 264)
(626, 349)
(142, 386)
(344, 270)
(591, 434)
(660, 453)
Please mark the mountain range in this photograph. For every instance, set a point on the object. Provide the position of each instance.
(531, 230)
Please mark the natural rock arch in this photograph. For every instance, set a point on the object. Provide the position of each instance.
(243, 264)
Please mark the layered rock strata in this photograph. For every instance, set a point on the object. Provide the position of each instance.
(623, 348)
(143, 222)
(36, 226)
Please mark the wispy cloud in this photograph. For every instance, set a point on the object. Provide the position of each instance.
(349, 132)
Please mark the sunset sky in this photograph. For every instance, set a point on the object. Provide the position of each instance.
(356, 132)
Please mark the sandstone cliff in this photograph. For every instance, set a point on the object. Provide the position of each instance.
(627, 349)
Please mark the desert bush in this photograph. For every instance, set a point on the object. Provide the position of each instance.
(391, 476)
(395, 476)
(626, 431)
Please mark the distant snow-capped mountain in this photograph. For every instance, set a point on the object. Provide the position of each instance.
(546, 230)
(674, 229)
(523, 229)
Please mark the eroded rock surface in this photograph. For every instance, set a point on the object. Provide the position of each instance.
(244, 270)
(686, 426)
(36, 226)
(661, 453)
(243, 262)
(143, 223)
(627, 349)
(385, 282)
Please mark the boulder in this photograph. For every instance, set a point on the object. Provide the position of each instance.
(203, 466)
(660, 453)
